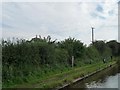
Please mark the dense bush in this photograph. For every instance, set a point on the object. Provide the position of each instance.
(92, 53)
(39, 57)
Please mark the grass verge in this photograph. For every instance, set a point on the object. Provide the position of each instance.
(65, 77)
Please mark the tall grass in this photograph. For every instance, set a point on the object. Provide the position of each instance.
(28, 60)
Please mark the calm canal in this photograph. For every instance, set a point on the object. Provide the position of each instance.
(107, 78)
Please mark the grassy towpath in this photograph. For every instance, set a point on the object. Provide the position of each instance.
(66, 77)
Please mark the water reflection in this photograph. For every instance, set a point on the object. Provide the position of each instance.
(110, 82)
(105, 79)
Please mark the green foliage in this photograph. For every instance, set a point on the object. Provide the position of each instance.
(115, 47)
(38, 58)
(61, 56)
(100, 46)
(103, 49)
(92, 53)
(118, 61)
(74, 48)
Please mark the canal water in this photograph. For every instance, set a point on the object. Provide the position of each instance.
(107, 78)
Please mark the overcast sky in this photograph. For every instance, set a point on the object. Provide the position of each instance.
(60, 20)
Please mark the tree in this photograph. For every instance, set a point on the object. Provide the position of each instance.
(114, 45)
(103, 49)
(74, 48)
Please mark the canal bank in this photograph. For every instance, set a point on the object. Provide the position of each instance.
(81, 79)
(66, 78)
(106, 79)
